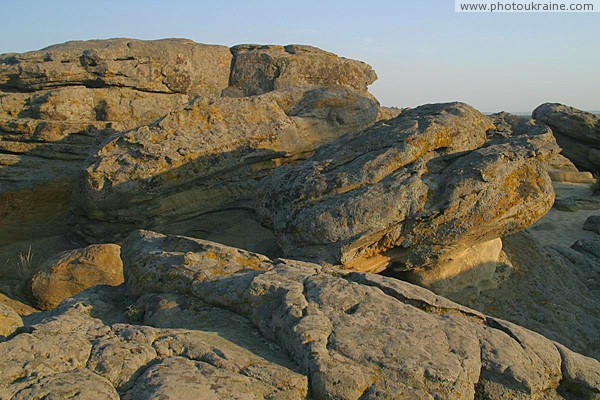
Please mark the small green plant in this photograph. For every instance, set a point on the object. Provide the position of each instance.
(134, 313)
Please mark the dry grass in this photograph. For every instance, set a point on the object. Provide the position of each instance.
(15, 274)
(25, 267)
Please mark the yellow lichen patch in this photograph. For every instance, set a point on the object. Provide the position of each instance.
(212, 255)
(254, 263)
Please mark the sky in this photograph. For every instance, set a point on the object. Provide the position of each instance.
(422, 51)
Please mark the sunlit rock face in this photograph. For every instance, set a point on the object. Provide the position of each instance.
(207, 157)
(412, 190)
(252, 108)
(272, 151)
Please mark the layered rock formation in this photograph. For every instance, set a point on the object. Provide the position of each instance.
(282, 150)
(156, 66)
(411, 190)
(195, 171)
(207, 158)
(577, 132)
(260, 69)
(58, 104)
(286, 329)
(61, 104)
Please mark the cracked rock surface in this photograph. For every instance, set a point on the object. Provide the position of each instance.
(279, 150)
(87, 346)
(225, 323)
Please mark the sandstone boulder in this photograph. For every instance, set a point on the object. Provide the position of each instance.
(479, 266)
(163, 66)
(589, 247)
(9, 320)
(577, 132)
(560, 168)
(74, 271)
(576, 203)
(19, 307)
(592, 223)
(259, 69)
(197, 169)
(44, 141)
(410, 190)
(58, 104)
(388, 113)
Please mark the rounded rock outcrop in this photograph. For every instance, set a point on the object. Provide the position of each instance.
(410, 190)
(577, 133)
(74, 271)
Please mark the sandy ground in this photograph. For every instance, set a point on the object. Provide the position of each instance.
(548, 287)
(564, 228)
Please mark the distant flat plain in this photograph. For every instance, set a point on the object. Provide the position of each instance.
(597, 112)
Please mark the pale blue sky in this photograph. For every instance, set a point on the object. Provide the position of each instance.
(421, 49)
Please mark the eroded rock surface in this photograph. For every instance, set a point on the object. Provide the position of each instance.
(190, 138)
(577, 132)
(19, 307)
(410, 190)
(88, 347)
(480, 266)
(259, 69)
(58, 104)
(592, 223)
(389, 112)
(9, 320)
(61, 104)
(207, 157)
(560, 168)
(213, 322)
(359, 334)
(162, 66)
